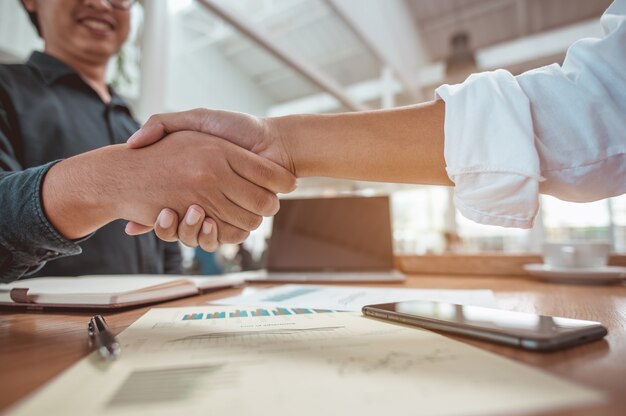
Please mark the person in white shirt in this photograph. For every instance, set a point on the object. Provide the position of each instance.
(500, 139)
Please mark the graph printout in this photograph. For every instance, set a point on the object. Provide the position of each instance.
(253, 361)
(251, 313)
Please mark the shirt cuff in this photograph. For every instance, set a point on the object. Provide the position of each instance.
(27, 239)
(489, 150)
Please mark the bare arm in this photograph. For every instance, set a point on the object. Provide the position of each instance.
(397, 145)
(74, 197)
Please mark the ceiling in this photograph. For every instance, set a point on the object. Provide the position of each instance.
(493, 21)
(307, 28)
(312, 31)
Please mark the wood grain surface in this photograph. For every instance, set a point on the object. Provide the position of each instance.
(37, 346)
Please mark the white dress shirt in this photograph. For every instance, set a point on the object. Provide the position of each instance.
(557, 130)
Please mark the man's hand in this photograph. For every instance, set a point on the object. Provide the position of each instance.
(196, 229)
(231, 185)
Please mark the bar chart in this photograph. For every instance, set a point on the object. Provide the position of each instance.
(251, 313)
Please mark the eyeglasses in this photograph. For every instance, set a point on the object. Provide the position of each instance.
(122, 4)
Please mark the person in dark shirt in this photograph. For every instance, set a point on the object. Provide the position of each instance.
(61, 116)
(64, 172)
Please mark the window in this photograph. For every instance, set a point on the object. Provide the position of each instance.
(423, 223)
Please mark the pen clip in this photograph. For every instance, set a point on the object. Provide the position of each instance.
(102, 339)
(91, 330)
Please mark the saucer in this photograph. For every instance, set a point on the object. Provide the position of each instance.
(590, 275)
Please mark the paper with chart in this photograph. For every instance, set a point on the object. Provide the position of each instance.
(259, 361)
(352, 298)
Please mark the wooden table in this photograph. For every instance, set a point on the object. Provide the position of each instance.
(35, 347)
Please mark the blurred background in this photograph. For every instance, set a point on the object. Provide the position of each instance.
(277, 57)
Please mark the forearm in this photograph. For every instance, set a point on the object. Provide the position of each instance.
(398, 145)
(78, 194)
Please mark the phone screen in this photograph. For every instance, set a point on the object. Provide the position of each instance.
(480, 322)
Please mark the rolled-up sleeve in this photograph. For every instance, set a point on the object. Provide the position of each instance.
(27, 239)
(558, 130)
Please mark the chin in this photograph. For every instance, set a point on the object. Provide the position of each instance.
(98, 50)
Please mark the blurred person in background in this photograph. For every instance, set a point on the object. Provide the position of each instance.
(244, 259)
(207, 262)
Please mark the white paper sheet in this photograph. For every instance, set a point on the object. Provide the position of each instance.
(214, 360)
(352, 298)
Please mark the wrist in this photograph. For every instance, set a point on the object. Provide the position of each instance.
(292, 132)
(283, 139)
(73, 198)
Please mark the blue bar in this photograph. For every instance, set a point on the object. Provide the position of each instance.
(260, 312)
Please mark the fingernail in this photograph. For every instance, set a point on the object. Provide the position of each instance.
(166, 218)
(192, 217)
(207, 227)
(135, 135)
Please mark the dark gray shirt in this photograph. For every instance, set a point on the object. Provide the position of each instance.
(48, 113)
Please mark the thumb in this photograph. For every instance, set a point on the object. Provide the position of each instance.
(132, 228)
(160, 125)
(146, 135)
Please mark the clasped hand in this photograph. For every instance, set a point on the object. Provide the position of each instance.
(231, 189)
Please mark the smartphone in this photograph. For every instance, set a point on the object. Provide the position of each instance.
(523, 330)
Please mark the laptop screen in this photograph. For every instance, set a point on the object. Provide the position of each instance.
(331, 234)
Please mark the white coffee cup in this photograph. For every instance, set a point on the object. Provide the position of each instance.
(577, 254)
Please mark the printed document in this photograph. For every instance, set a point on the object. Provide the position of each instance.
(279, 360)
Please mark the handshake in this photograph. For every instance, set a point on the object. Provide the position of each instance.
(221, 173)
(206, 177)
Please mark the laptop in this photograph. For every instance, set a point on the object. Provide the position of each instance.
(341, 239)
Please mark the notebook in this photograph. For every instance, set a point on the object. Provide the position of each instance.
(340, 239)
(106, 291)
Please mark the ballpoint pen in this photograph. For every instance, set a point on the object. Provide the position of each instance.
(104, 341)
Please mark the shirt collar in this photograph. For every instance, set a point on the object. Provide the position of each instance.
(116, 100)
(51, 69)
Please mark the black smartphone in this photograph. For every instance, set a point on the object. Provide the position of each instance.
(523, 330)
